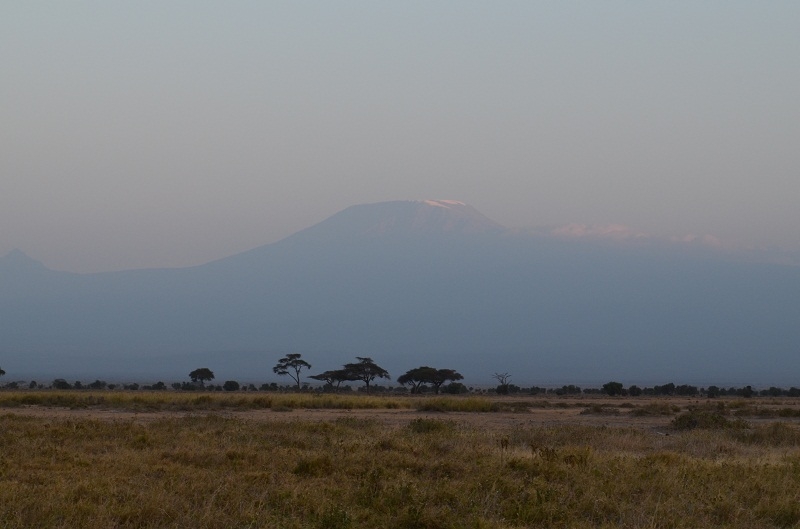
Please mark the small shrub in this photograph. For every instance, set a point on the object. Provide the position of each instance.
(600, 409)
(705, 419)
(655, 409)
(514, 407)
(455, 388)
(775, 434)
(429, 426)
(315, 466)
(335, 518)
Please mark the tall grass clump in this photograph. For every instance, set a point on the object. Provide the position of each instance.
(462, 404)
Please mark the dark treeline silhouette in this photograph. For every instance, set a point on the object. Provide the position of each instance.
(336, 385)
(419, 380)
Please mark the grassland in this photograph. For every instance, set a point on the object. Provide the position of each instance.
(171, 460)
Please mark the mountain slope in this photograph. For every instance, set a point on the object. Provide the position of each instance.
(412, 283)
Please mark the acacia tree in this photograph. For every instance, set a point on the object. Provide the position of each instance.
(336, 376)
(416, 377)
(365, 370)
(2, 372)
(291, 365)
(201, 374)
(442, 376)
(428, 375)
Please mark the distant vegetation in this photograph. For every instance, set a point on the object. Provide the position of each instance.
(419, 380)
(333, 384)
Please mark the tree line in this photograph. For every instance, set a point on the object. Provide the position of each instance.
(417, 380)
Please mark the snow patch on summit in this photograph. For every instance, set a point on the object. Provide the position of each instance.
(443, 203)
(613, 231)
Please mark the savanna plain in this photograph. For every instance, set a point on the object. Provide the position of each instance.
(252, 460)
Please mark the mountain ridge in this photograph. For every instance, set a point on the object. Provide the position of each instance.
(441, 287)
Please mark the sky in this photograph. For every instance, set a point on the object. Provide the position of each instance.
(160, 134)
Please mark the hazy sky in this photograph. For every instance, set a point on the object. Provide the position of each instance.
(155, 133)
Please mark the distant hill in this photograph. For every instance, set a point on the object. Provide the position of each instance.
(409, 283)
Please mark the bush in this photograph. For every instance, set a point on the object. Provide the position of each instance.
(454, 388)
(60, 383)
(429, 426)
(613, 389)
(654, 409)
(705, 419)
(230, 385)
(314, 466)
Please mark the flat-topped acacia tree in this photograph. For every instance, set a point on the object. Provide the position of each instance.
(428, 375)
(291, 365)
(365, 370)
(332, 378)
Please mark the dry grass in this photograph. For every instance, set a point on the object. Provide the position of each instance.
(207, 470)
(197, 401)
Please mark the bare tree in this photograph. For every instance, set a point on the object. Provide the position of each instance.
(502, 378)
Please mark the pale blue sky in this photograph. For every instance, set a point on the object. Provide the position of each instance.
(171, 133)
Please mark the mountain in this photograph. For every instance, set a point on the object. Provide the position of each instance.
(416, 282)
(404, 218)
